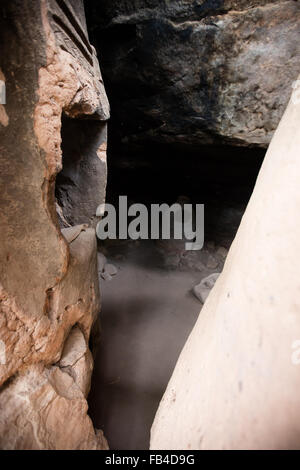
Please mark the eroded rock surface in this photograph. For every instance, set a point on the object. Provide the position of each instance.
(49, 287)
(45, 409)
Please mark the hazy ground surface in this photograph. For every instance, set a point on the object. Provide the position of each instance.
(148, 311)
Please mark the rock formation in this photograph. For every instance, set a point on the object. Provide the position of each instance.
(185, 75)
(236, 384)
(49, 282)
(197, 72)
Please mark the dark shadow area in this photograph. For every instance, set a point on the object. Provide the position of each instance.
(222, 178)
(81, 183)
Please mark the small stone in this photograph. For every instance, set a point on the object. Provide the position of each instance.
(210, 246)
(202, 290)
(211, 263)
(106, 277)
(101, 262)
(110, 269)
(192, 260)
(172, 261)
(222, 252)
(119, 257)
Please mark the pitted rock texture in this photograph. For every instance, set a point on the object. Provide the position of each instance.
(48, 285)
(197, 72)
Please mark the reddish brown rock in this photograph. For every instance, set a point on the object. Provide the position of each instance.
(49, 287)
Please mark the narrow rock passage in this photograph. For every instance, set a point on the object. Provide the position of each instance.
(149, 307)
(148, 311)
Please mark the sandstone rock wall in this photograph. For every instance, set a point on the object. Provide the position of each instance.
(236, 384)
(198, 72)
(49, 285)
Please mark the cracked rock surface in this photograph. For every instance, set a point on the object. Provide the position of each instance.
(49, 293)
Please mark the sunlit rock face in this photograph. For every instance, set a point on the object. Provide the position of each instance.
(197, 72)
(236, 383)
(49, 282)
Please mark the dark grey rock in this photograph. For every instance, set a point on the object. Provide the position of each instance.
(197, 72)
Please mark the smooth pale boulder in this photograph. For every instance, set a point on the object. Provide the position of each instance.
(236, 384)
